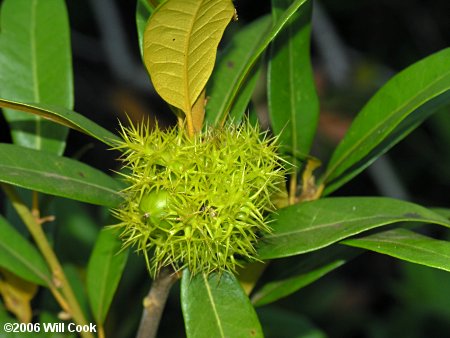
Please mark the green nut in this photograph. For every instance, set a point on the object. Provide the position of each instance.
(154, 205)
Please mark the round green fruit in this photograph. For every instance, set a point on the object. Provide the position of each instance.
(154, 205)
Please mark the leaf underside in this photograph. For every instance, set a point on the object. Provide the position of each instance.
(180, 46)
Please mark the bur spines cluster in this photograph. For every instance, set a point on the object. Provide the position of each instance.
(197, 202)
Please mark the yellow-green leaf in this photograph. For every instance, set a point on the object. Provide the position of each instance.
(180, 46)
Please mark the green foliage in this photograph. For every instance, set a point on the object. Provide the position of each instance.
(180, 58)
(407, 245)
(230, 65)
(245, 71)
(300, 272)
(36, 64)
(313, 225)
(64, 117)
(143, 11)
(216, 306)
(56, 175)
(281, 323)
(201, 197)
(292, 99)
(104, 272)
(20, 256)
(392, 113)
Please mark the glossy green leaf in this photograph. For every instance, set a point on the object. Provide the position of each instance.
(274, 291)
(144, 9)
(20, 257)
(229, 67)
(444, 212)
(36, 66)
(216, 306)
(392, 113)
(104, 272)
(242, 104)
(64, 117)
(278, 322)
(300, 271)
(313, 225)
(56, 175)
(407, 245)
(180, 46)
(292, 98)
(253, 60)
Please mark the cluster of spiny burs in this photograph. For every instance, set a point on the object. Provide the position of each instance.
(199, 202)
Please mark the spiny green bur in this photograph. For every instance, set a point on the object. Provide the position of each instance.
(197, 202)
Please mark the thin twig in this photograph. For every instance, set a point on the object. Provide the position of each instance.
(59, 278)
(101, 331)
(154, 303)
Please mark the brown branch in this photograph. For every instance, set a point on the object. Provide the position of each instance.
(155, 301)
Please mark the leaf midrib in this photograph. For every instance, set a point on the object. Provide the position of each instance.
(276, 28)
(59, 176)
(188, 103)
(406, 245)
(63, 120)
(213, 306)
(325, 225)
(34, 72)
(232, 84)
(356, 144)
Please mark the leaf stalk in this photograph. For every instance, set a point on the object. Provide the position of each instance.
(66, 298)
